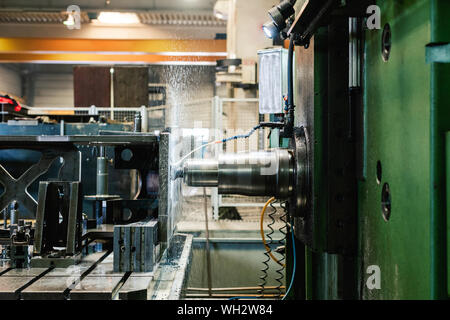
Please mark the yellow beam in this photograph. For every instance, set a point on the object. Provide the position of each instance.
(152, 46)
(104, 58)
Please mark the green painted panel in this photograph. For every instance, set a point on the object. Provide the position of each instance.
(320, 207)
(440, 21)
(397, 112)
(323, 272)
(447, 183)
(439, 125)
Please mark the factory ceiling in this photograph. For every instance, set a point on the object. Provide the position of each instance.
(158, 30)
(175, 5)
(156, 12)
(202, 18)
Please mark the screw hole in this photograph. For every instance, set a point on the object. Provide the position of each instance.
(386, 202)
(386, 42)
(126, 155)
(379, 172)
(127, 214)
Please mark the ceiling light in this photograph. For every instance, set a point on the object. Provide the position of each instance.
(220, 16)
(70, 20)
(118, 18)
(278, 15)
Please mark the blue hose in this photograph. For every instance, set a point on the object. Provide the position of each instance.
(295, 265)
(242, 136)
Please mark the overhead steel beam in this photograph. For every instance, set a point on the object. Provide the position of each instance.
(151, 46)
(29, 50)
(108, 59)
(203, 5)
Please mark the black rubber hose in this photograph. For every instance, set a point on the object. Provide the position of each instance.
(290, 73)
(289, 120)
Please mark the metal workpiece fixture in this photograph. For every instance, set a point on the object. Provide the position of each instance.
(261, 173)
(14, 213)
(136, 246)
(102, 176)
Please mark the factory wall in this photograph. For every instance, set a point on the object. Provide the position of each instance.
(184, 83)
(10, 81)
(53, 90)
(190, 89)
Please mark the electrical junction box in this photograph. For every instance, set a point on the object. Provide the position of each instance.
(273, 84)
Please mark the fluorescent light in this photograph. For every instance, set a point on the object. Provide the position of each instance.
(118, 18)
(220, 15)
